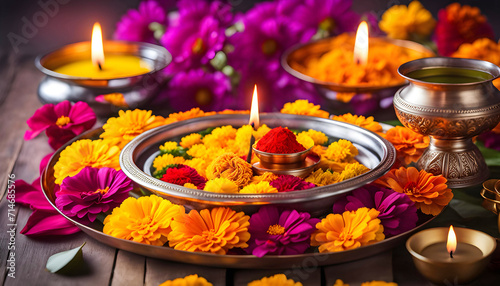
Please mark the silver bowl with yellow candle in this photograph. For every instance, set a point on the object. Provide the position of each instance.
(127, 76)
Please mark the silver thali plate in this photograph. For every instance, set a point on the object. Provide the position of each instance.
(375, 153)
(214, 260)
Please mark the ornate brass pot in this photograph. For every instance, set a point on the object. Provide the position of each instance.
(452, 100)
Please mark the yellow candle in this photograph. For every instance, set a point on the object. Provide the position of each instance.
(116, 66)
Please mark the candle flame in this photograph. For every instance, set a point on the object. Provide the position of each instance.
(97, 49)
(361, 44)
(451, 244)
(254, 112)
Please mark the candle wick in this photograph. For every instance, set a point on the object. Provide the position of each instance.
(252, 141)
(451, 254)
(99, 65)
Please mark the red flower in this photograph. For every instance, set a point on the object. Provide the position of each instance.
(460, 24)
(60, 122)
(183, 174)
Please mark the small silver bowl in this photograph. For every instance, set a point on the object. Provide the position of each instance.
(281, 161)
(137, 90)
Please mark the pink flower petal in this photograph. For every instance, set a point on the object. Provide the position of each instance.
(44, 223)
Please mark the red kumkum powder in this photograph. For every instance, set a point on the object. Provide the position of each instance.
(279, 141)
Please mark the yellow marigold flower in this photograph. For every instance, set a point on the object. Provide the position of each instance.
(349, 230)
(339, 282)
(169, 145)
(318, 149)
(305, 140)
(333, 166)
(85, 153)
(230, 111)
(323, 178)
(359, 120)
(409, 145)
(115, 98)
(430, 193)
(276, 280)
(199, 164)
(197, 151)
(303, 107)
(164, 160)
(341, 151)
(215, 231)
(481, 49)
(220, 136)
(378, 283)
(193, 113)
(352, 170)
(267, 177)
(407, 23)
(262, 187)
(191, 186)
(145, 220)
(261, 131)
(191, 280)
(129, 124)
(190, 140)
(221, 185)
(242, 139)
(318, 137)
(231, 167)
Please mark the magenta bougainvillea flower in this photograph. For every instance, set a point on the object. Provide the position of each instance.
(197, 35)
(60, 122)
(198, 88)
(45, 220)
(182, 174)
(397, 211)
(288, 183)
(280, 233)
(135, 24)
(92, 191)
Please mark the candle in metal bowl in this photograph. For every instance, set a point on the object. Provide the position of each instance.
(131, 69)
(360, 81)
(452, 100)
(432, 257)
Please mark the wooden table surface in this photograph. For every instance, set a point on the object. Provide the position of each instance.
(105, 265)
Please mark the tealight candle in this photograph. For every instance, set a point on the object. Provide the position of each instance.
(101, 66)
(444, 257)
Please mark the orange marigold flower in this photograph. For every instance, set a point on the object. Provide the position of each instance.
(378, 283)
(429, 192)
(276, 280)
(190, 280)
(359, 120)
(267, 177)
(304, 107)
(409, 145)
(349, 230)
(230, 111)
(145, 220)
(179, 116)
(407, 23)
(129, 124)
(85, 153)
(231, 167)
(215, 231)
(115, 98)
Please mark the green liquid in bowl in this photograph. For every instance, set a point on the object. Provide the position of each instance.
(449, 75)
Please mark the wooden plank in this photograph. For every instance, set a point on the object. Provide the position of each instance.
(404, 270)
(20, 103)
(129, 269)
(310, 276)
(378, 267)
(8, 67)
(6, 242)
(159, 271)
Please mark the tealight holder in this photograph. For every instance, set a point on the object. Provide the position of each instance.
(450, 271)
(298, 164)
(368, 100)
(451, 100)
(491, 196)
(137, 90)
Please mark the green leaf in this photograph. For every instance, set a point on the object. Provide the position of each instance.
(66, 261)
(491, 156)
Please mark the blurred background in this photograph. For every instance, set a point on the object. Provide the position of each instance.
(37, 26)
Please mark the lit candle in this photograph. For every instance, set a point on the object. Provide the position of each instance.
(101, 66)
(451, 251)
(361, 44)
(254, 120)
